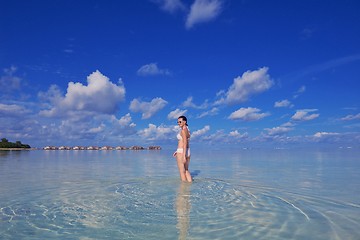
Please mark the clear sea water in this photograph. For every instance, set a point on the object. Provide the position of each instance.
(236, 194)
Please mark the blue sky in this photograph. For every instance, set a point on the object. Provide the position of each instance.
(245, 73)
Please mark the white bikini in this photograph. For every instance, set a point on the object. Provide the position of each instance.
(181, 150)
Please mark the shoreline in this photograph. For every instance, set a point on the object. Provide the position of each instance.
(17, 149)
(84, 149)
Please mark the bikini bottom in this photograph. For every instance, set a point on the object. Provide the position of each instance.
(181, 150)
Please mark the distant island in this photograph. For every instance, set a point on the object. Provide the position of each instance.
(5, 144)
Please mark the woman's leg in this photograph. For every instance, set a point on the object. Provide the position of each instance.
(186, 165)
(187, 173)
(181, 166)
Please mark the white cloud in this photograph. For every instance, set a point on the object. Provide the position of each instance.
(189, 103)
(203, 11)
(304, 115)
(148, 109)
(200, 131)
(152, 69)
(9, 82)
(98, 129)
(348, 138)
(124, 126)
(176, 113)
(283, 103)
(300, 91)
(351, 117)
(99, 96)
(124, 121)
(214, 111)
(156, 133)
(171, 6)
(250, 83)
(325, 134)
(12, 110)
(248, 114)
(278, 130)
(329, 137)
(288, 124)
(53, 94)
(221, 137)
(236, 134)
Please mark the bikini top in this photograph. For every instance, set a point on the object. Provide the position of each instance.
(179, 137)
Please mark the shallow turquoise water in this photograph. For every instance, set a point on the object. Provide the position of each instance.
(236, 194)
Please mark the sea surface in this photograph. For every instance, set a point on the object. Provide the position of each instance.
(236, 194)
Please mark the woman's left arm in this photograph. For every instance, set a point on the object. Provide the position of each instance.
(185, 141)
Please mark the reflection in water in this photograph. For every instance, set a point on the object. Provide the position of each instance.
(183, 209)
(4, 153)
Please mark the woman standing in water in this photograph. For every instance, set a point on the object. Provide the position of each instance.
(182, 153)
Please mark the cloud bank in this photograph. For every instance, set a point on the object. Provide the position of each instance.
(154, 132)
(100, 95)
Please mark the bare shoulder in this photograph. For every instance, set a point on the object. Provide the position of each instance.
(187, 132)
(184, 131)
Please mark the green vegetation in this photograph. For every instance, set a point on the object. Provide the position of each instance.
(6, 144)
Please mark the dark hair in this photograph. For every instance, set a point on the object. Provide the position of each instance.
(184, 118)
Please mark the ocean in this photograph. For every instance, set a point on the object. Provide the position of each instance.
(128, 194)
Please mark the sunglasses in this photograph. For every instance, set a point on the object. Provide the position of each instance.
(179, 122)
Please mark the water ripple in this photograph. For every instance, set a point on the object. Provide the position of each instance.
(155, 208)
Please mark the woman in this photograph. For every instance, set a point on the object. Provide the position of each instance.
(182, 153)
